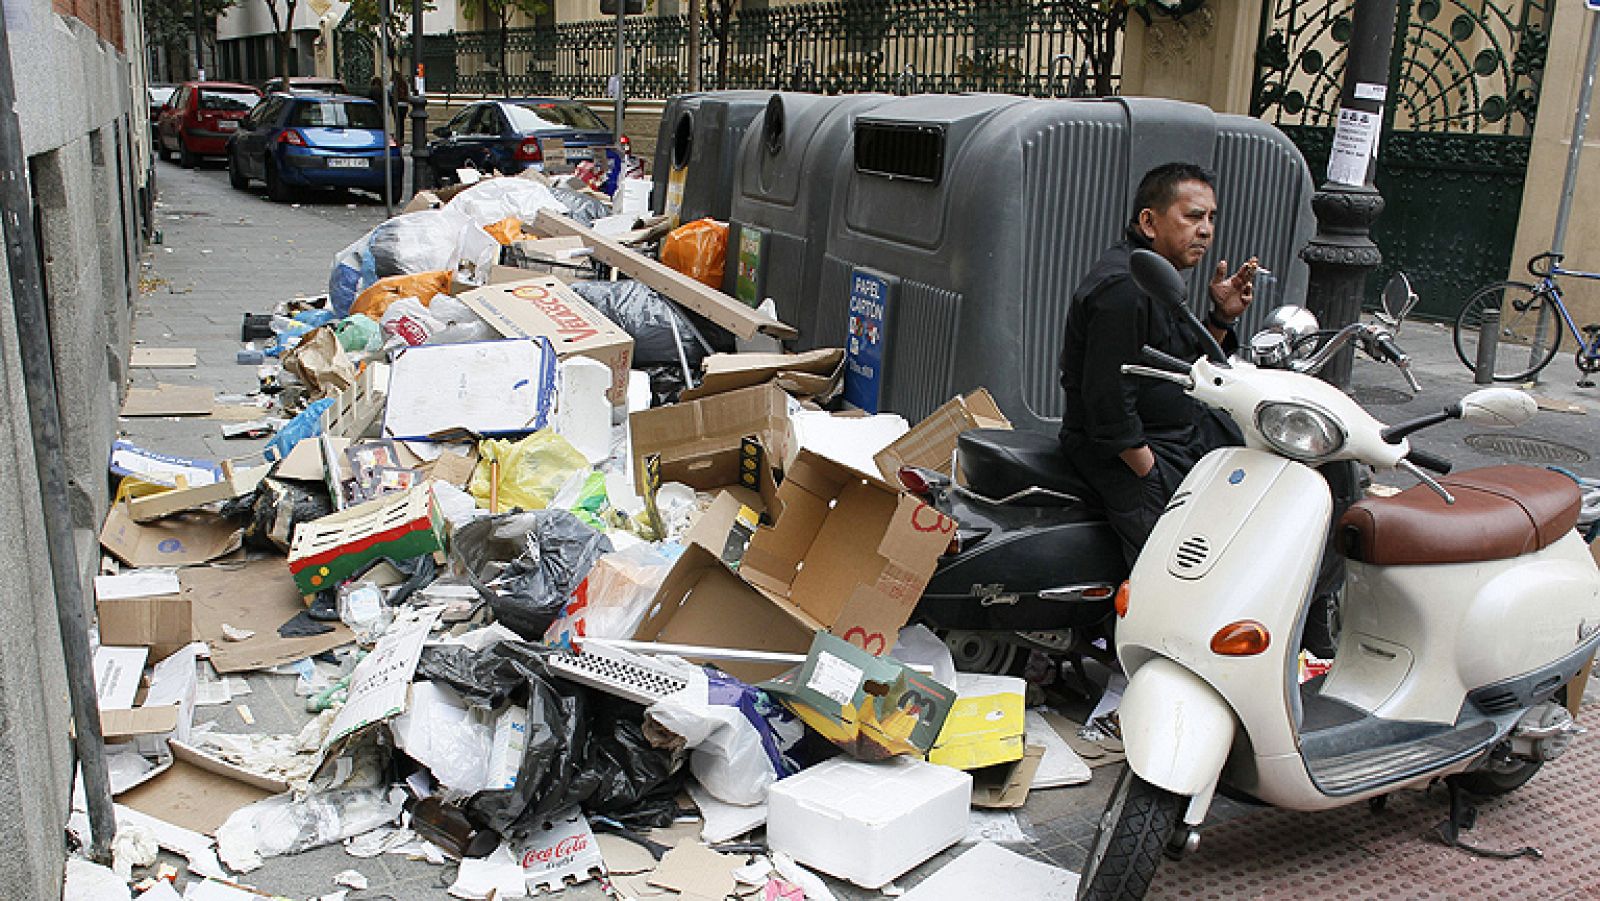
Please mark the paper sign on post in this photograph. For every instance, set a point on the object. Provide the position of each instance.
(1355, 142)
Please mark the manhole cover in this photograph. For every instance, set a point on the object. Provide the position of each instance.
(1535, 450)
(1379, 396)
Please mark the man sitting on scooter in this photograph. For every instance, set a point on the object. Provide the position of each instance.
(1134, 439)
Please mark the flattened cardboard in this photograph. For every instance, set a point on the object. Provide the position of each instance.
(725, 311)
(1005, 786)
(701, 602)
(162, 358)
(182, 540)
(931, 443)
(304, 462)
(849, 550)
(698, 443)
(545, 307)
(191, 797)
(258, 596)
(169, 400)
(454, 468)
(815, 374)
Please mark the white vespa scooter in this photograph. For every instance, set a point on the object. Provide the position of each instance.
(1469, 603)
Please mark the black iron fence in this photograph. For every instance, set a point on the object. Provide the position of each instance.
(1054, 48)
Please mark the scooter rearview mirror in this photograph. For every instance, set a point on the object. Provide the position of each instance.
(1398, 298)
(1499, 406)
(1158, 278)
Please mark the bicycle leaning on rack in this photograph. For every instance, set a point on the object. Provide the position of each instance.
(1529, 334)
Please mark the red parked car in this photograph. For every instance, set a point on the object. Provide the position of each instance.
(200, 118)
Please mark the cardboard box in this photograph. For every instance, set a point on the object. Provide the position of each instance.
(545, 307)
(162, 623)
(849, 550)
(815, 374)
(931, 443)
(702, 602)
(704, 443)
(986, 723)
(402, 526)
(872, 707)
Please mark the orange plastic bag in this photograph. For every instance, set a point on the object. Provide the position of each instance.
(699, 250)
(422, 285)
(507, 231)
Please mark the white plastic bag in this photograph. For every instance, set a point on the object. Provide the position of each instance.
(444, 320)
(286, 824)
(612, 599)
(739, 736)
(439, 732)
(424, 241)
(494, 199)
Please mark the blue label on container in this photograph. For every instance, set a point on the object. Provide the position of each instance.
(864, 346)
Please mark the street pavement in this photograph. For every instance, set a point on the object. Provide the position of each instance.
(226, 253)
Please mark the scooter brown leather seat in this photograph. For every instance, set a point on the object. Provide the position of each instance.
(1500, 512)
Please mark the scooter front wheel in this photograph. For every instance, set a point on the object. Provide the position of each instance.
(1134, 830)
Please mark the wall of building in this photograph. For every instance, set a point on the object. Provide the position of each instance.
(80, 122)
(1547, 167)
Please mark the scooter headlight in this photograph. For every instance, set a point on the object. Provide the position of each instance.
(1300, 431)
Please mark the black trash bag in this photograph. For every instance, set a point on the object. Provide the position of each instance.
(582, 747)
(648, 318)
(419, 572)
(270, 513)
(666, 383)
(534, 561)
(582, 208)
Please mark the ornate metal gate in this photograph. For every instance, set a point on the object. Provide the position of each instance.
(1463, 92)
(355, 55)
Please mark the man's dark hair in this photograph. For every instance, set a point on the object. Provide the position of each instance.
(1159, 187)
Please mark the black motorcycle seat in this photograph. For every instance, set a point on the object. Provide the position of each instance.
(1000, 463)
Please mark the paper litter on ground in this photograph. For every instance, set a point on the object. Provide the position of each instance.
(990, 871)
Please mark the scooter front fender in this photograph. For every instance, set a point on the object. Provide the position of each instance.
(1176, 729)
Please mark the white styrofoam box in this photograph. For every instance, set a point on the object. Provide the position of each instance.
(868, 822)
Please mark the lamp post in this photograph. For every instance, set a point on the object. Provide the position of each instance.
(1341, 255)
(419, 106)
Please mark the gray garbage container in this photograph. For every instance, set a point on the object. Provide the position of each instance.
(697, 147)
(782, 193)
(959, 226)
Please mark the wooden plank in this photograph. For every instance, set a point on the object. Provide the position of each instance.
(162, 358)
(725, 311)
(155, 506)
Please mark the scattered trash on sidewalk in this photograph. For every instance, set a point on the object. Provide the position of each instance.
(545, 555)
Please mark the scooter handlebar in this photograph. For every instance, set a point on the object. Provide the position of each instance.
(1430, 461)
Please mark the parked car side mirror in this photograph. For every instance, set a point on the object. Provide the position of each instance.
(442, 131)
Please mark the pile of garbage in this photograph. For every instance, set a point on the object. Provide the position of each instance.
(561, 548)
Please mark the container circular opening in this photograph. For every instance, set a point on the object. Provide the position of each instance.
(682, 140)
(772, 131)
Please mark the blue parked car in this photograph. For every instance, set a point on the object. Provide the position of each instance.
(503, 136)
(313, 140)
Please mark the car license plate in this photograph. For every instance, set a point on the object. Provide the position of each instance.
(339, 162)
(228, 124)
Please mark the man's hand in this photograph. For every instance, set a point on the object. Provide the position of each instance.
(1231, 295)
(1140, 459)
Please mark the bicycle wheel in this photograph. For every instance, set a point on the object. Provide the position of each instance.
(1529, 335)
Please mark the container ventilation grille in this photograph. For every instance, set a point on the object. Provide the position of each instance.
(1192, 553)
